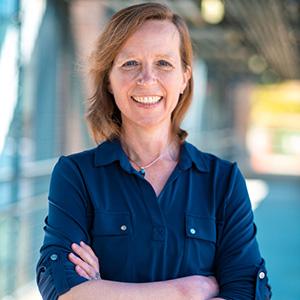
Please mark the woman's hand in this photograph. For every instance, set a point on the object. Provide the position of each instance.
(85, 261)
(194, 287)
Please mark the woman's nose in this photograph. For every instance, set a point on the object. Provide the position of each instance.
(146, 77)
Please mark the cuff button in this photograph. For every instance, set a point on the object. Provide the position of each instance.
(53, 257)
(261, 275)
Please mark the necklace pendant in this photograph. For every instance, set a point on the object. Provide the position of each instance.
(142, 171)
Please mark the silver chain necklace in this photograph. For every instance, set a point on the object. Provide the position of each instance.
(142, 169)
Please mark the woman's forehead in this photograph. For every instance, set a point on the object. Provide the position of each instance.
(155, 28)
(157, 37)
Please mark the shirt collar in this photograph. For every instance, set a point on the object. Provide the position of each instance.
(191, 155)
(110, 151)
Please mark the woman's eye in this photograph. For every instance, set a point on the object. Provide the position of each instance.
(130, 63)
(164, 63)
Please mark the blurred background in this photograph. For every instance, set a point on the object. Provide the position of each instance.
(246, 108)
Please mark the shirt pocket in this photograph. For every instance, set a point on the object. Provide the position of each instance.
(111, 235)
(200, 244)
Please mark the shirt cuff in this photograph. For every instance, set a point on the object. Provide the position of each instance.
(263, 289)
(56, 275)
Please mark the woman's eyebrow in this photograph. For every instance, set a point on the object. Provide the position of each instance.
(126, 55)
(170, 56)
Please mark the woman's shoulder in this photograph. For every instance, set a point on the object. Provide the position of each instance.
(83, 154)
(208, 160)
(80, 157)
(100, 154)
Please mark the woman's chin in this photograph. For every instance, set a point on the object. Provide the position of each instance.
(154, 123)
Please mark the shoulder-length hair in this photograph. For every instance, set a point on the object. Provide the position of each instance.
(103, 115)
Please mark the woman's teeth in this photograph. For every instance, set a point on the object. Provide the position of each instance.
(147, 100)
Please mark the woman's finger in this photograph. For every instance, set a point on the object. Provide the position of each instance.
(88, 249)
(89, 270)
(85, 256)
(82, 273)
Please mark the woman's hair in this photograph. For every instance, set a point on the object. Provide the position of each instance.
(103, 115)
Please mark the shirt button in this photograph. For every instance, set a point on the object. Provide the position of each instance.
(192, 230)
(262, 275)
(123, 227)
(53, 257)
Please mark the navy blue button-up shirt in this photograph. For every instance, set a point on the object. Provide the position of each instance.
(200, 224)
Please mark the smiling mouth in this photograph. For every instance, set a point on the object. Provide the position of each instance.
(147, 100)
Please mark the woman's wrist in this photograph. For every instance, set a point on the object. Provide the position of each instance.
(197, 287)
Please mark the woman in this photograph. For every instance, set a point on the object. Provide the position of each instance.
(146, 215)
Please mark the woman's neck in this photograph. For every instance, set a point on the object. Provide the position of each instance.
(144, 145)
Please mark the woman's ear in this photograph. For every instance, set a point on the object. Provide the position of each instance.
(109, 88)
(186, 77)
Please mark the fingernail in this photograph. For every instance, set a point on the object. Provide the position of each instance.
(74, 245)
(82, 243)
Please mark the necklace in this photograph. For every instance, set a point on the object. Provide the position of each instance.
(142, 169)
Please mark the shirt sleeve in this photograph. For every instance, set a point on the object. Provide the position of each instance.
(67, 222)
(240, 270)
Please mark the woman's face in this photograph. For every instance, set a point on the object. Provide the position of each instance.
(147, 75)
